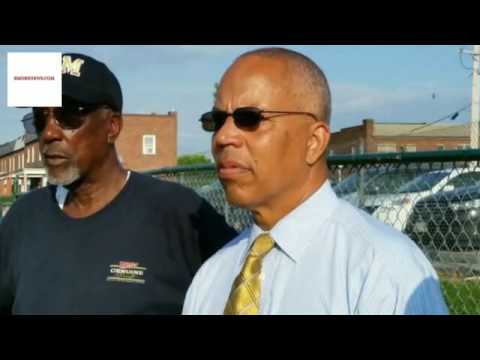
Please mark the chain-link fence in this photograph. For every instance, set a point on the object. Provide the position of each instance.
(204, 181)
(432, 197)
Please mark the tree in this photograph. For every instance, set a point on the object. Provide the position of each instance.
(193, 159)
(15, 186)
(216, 86)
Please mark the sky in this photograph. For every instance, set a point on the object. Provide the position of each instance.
(389, 83)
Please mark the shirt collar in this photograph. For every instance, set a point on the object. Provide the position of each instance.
(295, 231)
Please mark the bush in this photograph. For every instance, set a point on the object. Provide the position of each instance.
(194, 159)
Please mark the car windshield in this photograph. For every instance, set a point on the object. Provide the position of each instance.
(350, 184)
(375, 183)
(423, 183)
(347, 186)
(388, 183)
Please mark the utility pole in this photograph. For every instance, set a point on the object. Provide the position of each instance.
(474, 132)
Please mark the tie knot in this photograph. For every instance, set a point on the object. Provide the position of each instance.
(262, 245)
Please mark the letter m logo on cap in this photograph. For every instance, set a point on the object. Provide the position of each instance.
(72, 67)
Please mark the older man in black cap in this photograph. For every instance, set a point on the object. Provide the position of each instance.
(120, 242)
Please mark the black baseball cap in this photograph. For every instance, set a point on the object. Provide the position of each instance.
(90, 81)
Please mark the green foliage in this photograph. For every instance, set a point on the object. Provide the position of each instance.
(216, 86)
(193, 159)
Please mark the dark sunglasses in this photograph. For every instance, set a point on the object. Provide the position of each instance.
(71, 116)
(247, 118)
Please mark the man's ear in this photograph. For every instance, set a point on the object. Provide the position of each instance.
(116, 125)
(318, 142)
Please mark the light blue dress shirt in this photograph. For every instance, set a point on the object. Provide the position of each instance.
(329, 258)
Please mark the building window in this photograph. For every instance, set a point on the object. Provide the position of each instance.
(23, 161)
(149, 144)
(386, 148)
(28, 155)
(441, 147)
(464, 147)
(408, 148)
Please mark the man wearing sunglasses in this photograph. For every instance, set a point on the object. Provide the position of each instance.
(100, 239)
(308, 252)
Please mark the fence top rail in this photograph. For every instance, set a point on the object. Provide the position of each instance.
(181, 169)
(416, 157)
(365, 159)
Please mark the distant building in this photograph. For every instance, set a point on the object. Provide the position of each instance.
(373, 137)
(21, 159)
(146, 142)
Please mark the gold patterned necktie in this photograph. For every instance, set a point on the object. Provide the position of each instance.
(244, 297)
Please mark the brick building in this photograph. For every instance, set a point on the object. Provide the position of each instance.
(373, 137)
(146, 142)
(21, 160)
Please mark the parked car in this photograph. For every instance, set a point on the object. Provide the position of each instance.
(395, 209)
(448, 221)
(366, 189)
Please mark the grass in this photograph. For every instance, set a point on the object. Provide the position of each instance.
(462, 296)
(6, 200)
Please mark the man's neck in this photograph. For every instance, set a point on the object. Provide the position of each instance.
(94, 192)
(268, 215)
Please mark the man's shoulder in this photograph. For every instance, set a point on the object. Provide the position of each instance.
(364, 226)
(381, 240)
(386, 249)
(389, 259)
(151, 186)
(227, 254)
(29, 200)
(35, 200)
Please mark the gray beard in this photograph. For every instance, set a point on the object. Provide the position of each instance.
(69, 176)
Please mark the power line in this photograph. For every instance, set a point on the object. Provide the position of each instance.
(462, 64)
(460, 56)
(452, 116)
(452, 126)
